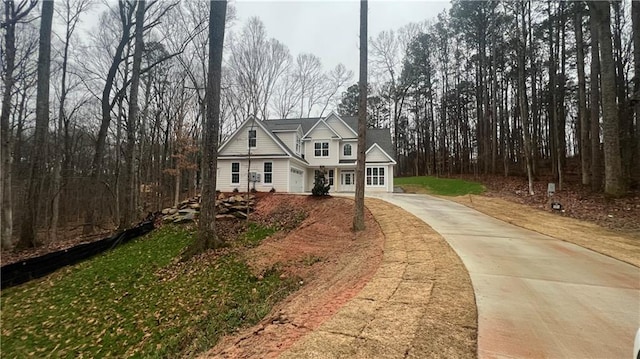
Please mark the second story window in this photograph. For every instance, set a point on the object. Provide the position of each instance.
(347, 150)
(321, 149)
(252, 138)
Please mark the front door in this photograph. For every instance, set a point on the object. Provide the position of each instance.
(347, 181)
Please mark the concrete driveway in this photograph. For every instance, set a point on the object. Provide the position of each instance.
(536, 296)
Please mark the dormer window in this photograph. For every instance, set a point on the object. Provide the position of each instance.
(252, 139)
(346, 150)
(298, 143)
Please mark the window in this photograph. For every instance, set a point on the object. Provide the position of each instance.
(298, 143)
(235, 172)
(321, 149)
(268, 172)
(348, 178)
(252, 138)
(347, 150)
(375, 176)
(330, 177)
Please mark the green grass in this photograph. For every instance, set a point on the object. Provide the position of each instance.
(138, 300)
(439, 186)
(255, 234)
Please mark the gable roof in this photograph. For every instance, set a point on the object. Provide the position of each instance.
(326, 124)
(354, 130)
(305, 123)
(269, 132)
(379, 136)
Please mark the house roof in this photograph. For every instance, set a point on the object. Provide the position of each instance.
(381, 136)
(287, 123)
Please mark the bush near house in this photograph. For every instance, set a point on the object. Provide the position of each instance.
(320, 186)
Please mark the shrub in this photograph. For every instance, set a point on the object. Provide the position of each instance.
(320, 186)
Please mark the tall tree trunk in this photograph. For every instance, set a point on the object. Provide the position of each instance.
(28, 234)
(11, 16)
(613, 182)
(125, 13)
(585, 150)
(358, 218)
(596, 154)
(635, 34)
(553, 104)
(522, 94)
(57, 185)
(207, 237)
(128, 212)
(6, 217)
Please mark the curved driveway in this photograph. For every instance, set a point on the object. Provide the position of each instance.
(536, 296)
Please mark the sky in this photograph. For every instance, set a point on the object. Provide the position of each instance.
(330, 29)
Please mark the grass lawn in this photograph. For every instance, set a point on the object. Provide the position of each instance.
(138, 300)
(438, 186)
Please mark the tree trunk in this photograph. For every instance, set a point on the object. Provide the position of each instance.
(358, 218)
(585, 151)
(635, 18)
(106, 106)
(128, 212)
(28, 234)
(596, 155)
(522, 96)
(613, 183)
(6, 217)
(207, 237)
(70, 22)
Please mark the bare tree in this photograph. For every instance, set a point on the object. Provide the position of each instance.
(337, 79)
(128, 212)
(613, 183)
(309, 78)
(70, 12)
(28, 234)
(585, 145)
(358, 217)
(521, 7)
(286, 95)
(256, 64)
(207, 237)
(13, 13)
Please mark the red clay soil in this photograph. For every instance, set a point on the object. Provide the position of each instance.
(333, 263)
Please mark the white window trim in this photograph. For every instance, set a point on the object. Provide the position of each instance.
(343, 147)
(384, 176)
(248, 132)
(232, 173)
(321, 149)
(298, 143)
(264, 173)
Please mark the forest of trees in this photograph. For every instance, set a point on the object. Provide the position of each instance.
(100, 127)
(525, 88)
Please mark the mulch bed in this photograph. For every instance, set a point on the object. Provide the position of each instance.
(578, 201)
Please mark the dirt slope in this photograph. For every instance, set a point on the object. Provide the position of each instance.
(334, 265)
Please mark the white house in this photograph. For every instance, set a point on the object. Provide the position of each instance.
(285, 155)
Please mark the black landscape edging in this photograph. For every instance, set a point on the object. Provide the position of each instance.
(26, 270)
